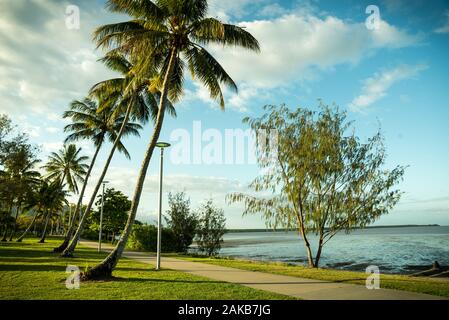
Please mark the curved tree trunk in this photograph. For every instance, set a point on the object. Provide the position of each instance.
(5, 234)
(14, 229)
(105, 268)
(79, 204)
(27, 229)
(318, 253)
(44, 233)
(68, 252)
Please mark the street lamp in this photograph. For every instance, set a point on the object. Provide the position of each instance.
(101, 217)
(162, 146)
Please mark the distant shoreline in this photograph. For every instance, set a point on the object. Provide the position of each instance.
(370, 227)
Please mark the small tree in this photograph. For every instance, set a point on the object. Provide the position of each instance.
(115, 212)
(211, 228)
(323, 179)
(182, 222)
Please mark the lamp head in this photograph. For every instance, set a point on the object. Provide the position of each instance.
(161, 144)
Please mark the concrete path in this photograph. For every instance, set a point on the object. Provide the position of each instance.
(308, 289)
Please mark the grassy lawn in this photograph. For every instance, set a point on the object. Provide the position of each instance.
(30, 270)
(438, 287)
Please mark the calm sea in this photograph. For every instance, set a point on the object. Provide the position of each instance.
(393, 250)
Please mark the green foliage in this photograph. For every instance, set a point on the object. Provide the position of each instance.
(181, 221)
(115, 212)
(91, 123)
(67, 165)
(18, 178)
(211, 228)
(323, 178)
(144, 237)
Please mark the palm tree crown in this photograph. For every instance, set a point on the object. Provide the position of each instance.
(67, 165)
(89, 122)
(165, 28)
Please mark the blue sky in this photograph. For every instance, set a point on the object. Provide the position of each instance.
(395, 76)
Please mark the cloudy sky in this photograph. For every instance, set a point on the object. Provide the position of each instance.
(395, 75)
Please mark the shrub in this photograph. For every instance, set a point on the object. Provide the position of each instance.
(181, 221)
(211, 228)
(144, 237)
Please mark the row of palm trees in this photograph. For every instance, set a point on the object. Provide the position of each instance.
(25, 188)
(151, 52)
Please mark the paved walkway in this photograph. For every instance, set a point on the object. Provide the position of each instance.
(308, 289)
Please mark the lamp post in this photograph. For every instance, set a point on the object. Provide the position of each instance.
(162, 146)
(101, 217)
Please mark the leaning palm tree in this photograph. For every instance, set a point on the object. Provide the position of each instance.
(137, 103)
(164, 37)
(92, 122)
(37, 214)
(51, 198)
(67, 166)
(45, 199)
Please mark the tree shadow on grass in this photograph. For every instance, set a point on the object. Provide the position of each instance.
(31, 267)
(158, 280)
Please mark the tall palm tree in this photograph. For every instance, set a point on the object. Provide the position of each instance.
(97, 124)
(121, 95)
(164, 37)
(67, 165)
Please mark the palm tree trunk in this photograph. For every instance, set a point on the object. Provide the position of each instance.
(5, 234)
(105, 268)
(14, 229)
(27, 229)
(69, 232)
(68, 252)
(44, 233)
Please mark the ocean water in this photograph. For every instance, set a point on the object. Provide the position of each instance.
(393, 250)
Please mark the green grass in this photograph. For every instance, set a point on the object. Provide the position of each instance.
(439, 287)
(30, 270)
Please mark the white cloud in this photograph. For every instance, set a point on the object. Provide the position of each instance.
(197, 188)
(445, 27)
(43, 65)
(293, 45)
(31, 130)
(296, 48)
(52, 129)
(376, 87)
(52, 146)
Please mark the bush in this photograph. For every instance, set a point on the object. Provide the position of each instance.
(144, 237)
(211, 228)
(181, 221)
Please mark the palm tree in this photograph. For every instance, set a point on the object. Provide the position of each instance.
(164, 38)
(22, 236)
(67, 165)
(18, 178)
(91, 123)
(50, 198)
(136, 101)
(26, 179)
